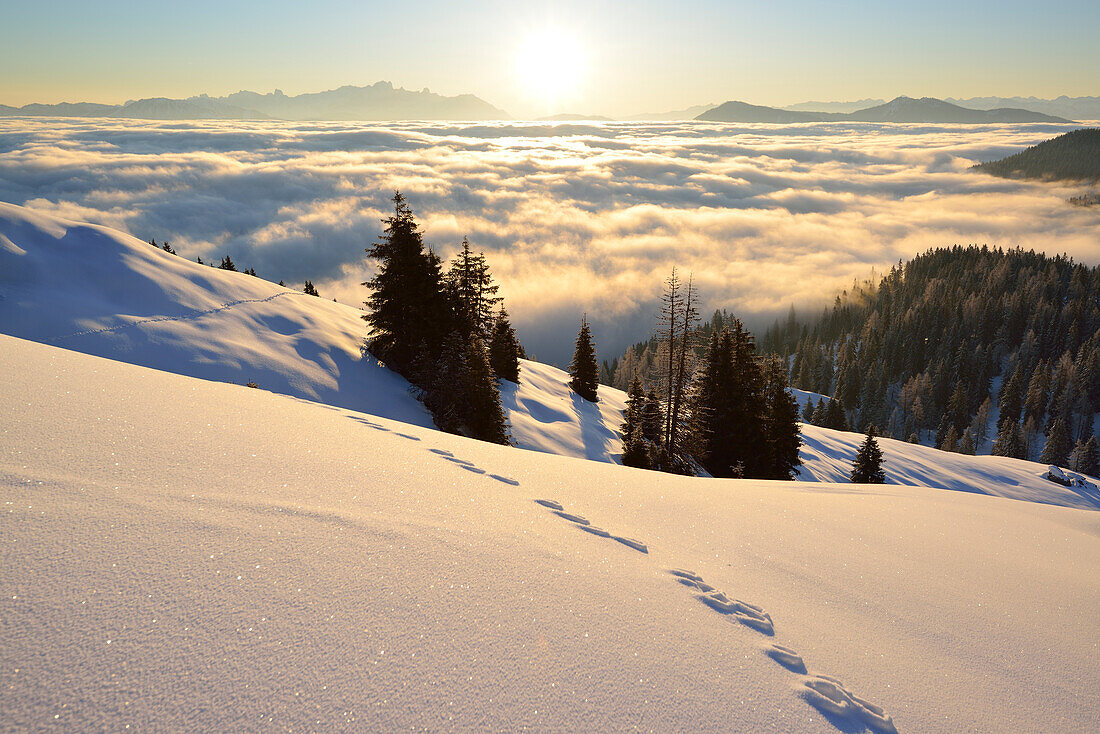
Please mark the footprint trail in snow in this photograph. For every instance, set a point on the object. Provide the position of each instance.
(844, 710)
(588, 527)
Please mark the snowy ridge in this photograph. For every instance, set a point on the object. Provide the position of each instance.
(281, 564)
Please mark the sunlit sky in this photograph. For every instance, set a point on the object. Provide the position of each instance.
(591, 57)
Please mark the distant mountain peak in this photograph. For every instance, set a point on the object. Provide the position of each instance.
(378, 101)
(899, 109)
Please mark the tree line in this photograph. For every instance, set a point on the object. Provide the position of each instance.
(227, 264)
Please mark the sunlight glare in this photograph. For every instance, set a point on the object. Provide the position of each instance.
(549, 65)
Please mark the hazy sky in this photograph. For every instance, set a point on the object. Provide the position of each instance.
(532, 58)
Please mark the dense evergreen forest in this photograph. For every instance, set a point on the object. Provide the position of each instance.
(969, 348)
(1074, 156)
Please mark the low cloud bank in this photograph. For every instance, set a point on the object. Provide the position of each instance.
(574, 218)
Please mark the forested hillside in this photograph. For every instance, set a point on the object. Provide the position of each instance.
(969, 348)
(1074, 156)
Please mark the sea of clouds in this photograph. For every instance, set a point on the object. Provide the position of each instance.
(573, 217)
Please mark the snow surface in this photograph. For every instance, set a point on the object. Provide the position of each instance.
(181, 554)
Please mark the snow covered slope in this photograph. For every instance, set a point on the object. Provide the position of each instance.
(102, 292)
(99, 291)
(180, 554)
(827, 456)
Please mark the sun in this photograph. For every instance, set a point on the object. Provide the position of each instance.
(549, 65)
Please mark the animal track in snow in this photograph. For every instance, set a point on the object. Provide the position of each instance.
(467, 465)
(572, 518)
(824, 693)
(786, 657)
(584, 524)
(630, 542)
(747, 614)
(829, 696)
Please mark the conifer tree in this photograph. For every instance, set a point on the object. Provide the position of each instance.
(1011, 400)
(834, 416)
(819, 417)
(168, 248)
(1058, 445)
(867, 467)
(199, 260)
(227, 264)
(950, 441)
(784, 437)
(635, 404)
(407, 310)
(309, 290)
(723, 442)
(282, 283)
(504, 349)
(808, 410)
(1009, 441)
(1086, 457)
(584, 371)
(635, 451)
(484, 417)
(966, 443)
(652, 420)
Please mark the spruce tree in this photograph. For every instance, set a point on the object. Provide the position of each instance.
(867, 467)
(227, 264)
(808, 410)
(950, 441)
(309, 290)
(1009, 441)
(484, 417)
(652, 419)
(635, 403)
(722, 441)
(584, 371)
(1086, 457)
(834, 416)
(784, 437)
(819, 417)
(504, 349)
(407, 310)
(636, 450)
(1058, 445)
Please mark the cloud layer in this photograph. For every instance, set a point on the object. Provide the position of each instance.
(573, 217)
